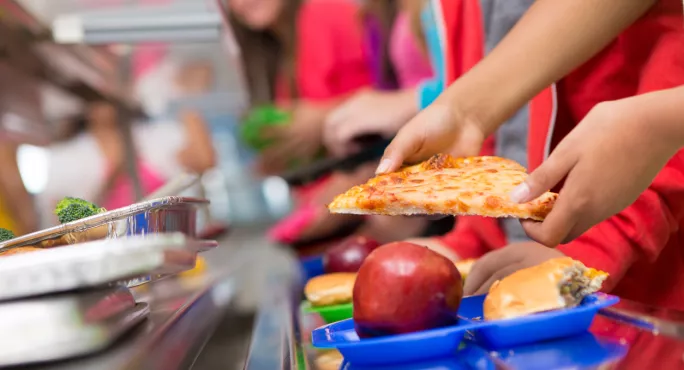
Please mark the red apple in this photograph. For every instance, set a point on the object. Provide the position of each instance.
(402, 288)
(348, 255)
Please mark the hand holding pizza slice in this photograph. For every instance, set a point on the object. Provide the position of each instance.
(446, 185)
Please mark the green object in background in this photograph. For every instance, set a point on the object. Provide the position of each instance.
(258, 119)
(330, 314)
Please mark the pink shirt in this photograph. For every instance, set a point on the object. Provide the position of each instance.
(331, 58)
(410, 63)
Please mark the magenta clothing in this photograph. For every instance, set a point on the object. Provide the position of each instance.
(411, 64)
(121, 194)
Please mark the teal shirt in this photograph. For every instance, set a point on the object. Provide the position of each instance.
(430, 89)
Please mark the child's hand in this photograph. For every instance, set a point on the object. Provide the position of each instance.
(298, 141)
(366, 113)
(608, 160)
(437, 246)
(498, 264)
(440, 128)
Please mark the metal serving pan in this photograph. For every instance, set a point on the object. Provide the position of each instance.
(162, 215)
(62, 326)
(98, 263)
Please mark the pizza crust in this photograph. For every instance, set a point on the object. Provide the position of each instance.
(446, 185)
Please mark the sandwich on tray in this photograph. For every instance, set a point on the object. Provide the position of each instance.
(330, 289)
(555, 284)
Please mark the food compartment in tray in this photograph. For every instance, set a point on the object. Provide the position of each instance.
(465, 357)
(97, 263)
(532, 328)
(394, 349)
(582, 351)
(163, 215)
(61, 326)
(441, 342)
(329, 314)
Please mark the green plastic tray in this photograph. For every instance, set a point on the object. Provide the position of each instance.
(330, 314)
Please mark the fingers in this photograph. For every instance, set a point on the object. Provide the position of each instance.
(487, 266)
(557, 226)
(406, 144)
(498, 275)
(545, 177)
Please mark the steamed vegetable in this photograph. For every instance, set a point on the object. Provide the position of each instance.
(71, 209)
(6, 235)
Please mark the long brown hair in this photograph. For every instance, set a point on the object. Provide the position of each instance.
(266, 56)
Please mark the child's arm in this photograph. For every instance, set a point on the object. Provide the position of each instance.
(551, 39)
(607, 160)
(640, 231)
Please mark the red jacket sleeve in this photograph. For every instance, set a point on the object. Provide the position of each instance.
(474, 236)
(331, 56)
(640, 231)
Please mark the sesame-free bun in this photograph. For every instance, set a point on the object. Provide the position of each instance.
(330, 289)
(554, 284)
(18, 250)
(328, 360)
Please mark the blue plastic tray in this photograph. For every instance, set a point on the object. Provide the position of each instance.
(533, 328)
(583, 351)
(443, 342)
(312, 267)
(394, 349)
(469, 357)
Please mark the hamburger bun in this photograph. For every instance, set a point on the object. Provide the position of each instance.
(328, 360)
(330, 289)
(555, 284)
(464, 267)
(18, 250)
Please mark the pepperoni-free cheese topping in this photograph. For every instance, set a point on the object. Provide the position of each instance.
(446, 185)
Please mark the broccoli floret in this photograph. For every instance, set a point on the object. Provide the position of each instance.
(69, 200)
(74, 212)
(72, 209)
(6, 235)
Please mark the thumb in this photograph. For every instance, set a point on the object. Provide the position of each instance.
(545, 177)
(405, 145)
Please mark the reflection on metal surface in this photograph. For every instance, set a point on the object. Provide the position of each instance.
(658, 321)
(64, 326)
(94, 264)
(172, 23)
(169, 214)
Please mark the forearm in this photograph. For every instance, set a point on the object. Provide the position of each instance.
(548, 42)
(664, 111)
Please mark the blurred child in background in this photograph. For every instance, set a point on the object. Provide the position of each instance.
(306, 56)
(165, 148)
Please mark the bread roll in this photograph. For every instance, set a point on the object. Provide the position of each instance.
(330, 289)
(554, 284)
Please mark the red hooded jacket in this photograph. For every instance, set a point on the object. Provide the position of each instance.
(641, 247)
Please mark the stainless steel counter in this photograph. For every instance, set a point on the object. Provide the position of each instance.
(206, 322)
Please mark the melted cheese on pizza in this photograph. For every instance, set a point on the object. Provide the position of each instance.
(446, 185)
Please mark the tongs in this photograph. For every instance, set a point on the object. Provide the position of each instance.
(373, 146)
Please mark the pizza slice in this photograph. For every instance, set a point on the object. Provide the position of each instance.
(446, 185)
